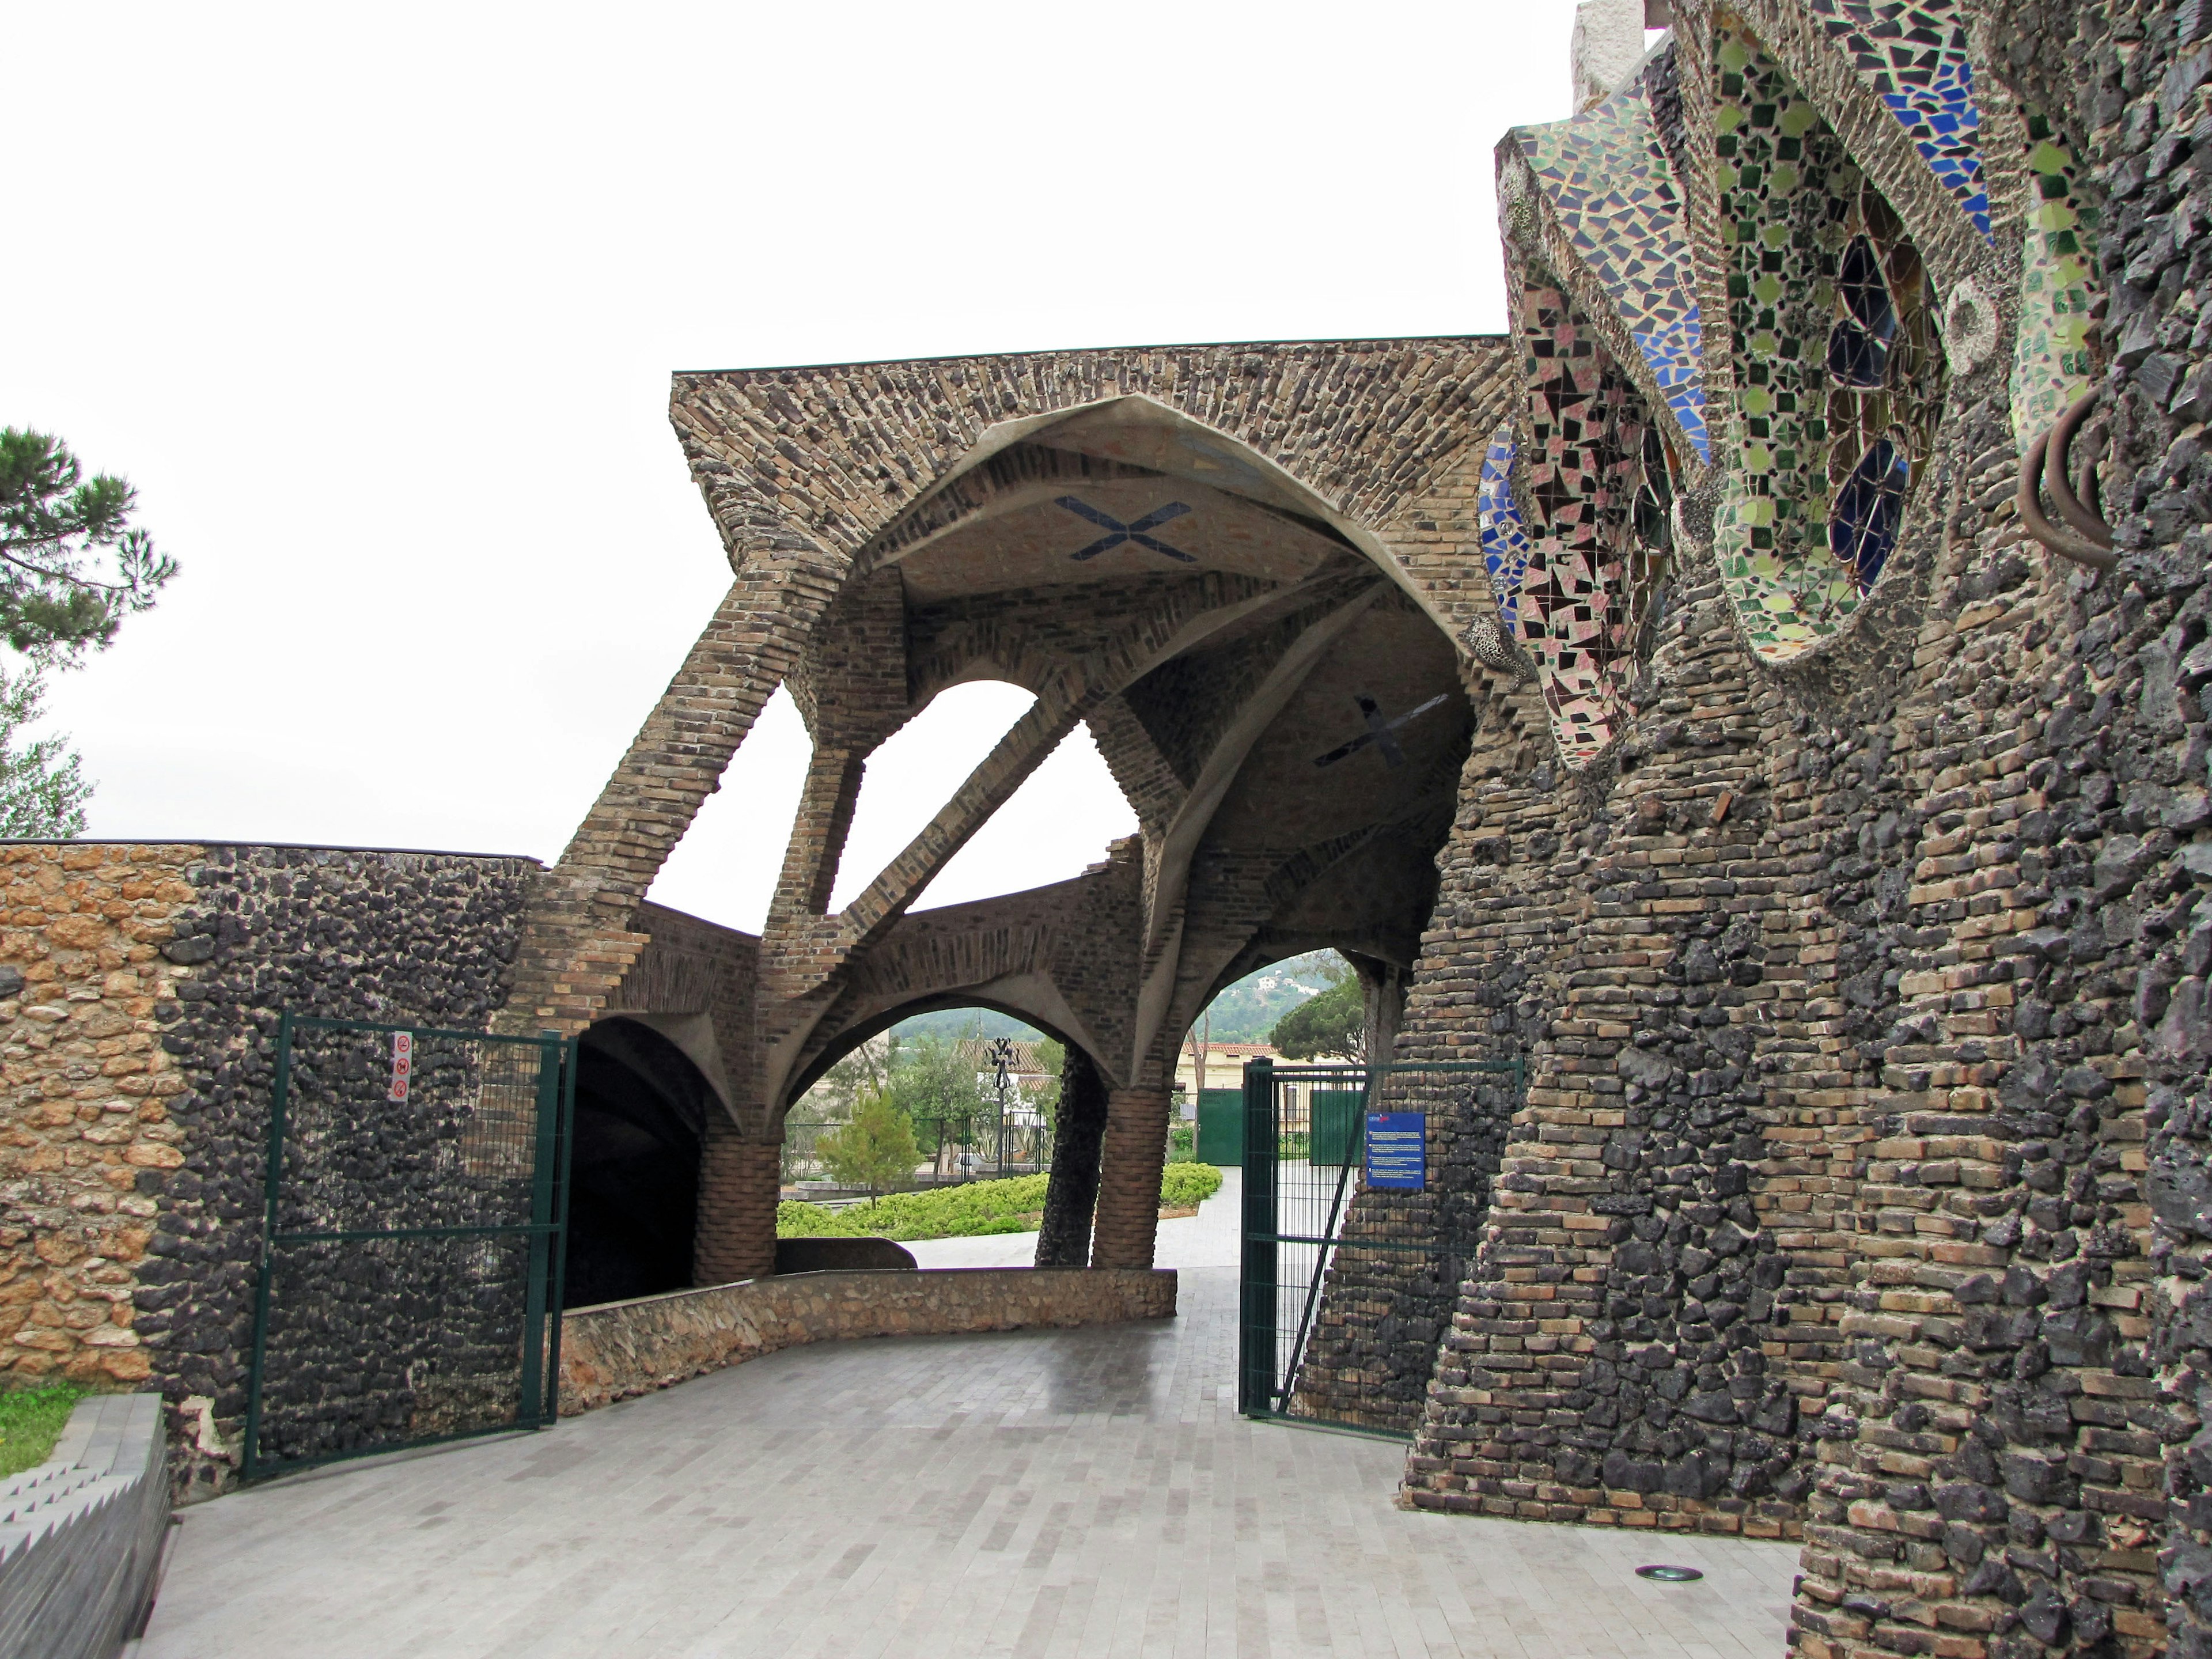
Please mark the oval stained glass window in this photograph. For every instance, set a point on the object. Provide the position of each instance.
(1858, 345)
(1869, 509)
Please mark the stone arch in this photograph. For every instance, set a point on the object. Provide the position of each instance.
(1838, 372)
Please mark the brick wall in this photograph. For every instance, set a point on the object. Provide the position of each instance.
(738, 1181)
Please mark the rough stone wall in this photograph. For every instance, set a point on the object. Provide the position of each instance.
(627, 1348)
(142, 988)
(380, 936)
(1619, 1354)
(1860, 1187)
(89, 1136)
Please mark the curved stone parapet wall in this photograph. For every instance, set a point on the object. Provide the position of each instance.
(625, 1348)
(81, 1535)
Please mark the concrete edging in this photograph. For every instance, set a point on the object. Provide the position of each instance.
(620, 1349)
(81, 1534)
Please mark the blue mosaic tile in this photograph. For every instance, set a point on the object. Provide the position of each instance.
(1607, 176)
(1505, 537)
(1913, 54)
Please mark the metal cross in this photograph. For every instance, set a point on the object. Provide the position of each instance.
(1118, 532)
(1379, 732)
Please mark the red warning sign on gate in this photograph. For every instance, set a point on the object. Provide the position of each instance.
(402, 1063)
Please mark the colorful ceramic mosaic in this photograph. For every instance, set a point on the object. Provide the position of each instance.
(2052, 366)
(1914, 57)
(1587, 574)
(1836, 365)
(1606, 175)
(1504, 538)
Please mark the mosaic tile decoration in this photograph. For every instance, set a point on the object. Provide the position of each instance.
(1834, 355)
(1913, 54)
(1504, 538)
(1587, 574)
(2052, 365)
(1607, 177)
(1869, 508)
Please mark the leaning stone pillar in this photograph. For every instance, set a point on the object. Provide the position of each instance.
(1071, 1193)
(1129, 1178)
(734, 1237)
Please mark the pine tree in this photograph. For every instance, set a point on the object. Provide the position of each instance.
(71, 568)
(1332, 1023)
(42, 790)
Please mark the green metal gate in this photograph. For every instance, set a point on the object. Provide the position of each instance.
(415, 1209)
(1329, 1209)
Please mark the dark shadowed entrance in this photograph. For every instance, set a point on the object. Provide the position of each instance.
(641, 1110)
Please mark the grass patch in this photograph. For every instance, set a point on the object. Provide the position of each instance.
(1011, 1205)
(31, 1420)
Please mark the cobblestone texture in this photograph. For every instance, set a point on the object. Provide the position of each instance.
(629, 1349)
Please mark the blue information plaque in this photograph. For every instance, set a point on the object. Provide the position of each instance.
(1397, 1150)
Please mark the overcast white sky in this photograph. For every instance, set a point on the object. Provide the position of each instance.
(377, 306)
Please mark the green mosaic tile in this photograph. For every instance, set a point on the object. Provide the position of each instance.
(2052, 364)
(1809, 505)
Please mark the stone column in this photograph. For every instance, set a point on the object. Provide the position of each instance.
(1129, 1181)
(1382, 989)
(739, 1179)
(1072, 1193)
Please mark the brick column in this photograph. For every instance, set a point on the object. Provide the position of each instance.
(734, 1237)
(1071, 1194)
(1129, 1181)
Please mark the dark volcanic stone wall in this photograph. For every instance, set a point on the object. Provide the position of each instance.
(1860, 1192)
(360, 935)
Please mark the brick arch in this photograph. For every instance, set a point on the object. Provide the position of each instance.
(852, 1036)
(828, 456)
(803, 469)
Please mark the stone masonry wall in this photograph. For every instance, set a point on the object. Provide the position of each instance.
(1860, 1190)
(625, 1348)
(87, 1135)
(143, 985)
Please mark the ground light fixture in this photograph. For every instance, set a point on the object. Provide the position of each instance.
(1666, 1575)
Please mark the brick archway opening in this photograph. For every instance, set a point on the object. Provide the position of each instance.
(641, 1112)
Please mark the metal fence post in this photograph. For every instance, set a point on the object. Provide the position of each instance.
(538, 1242)
(272, 1182)
(1255, 1347)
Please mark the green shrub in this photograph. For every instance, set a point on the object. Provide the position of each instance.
(1012, 1206)
(31, 1420)
(1183, 1185)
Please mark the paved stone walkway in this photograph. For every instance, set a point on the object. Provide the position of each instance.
(1033, 1493)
